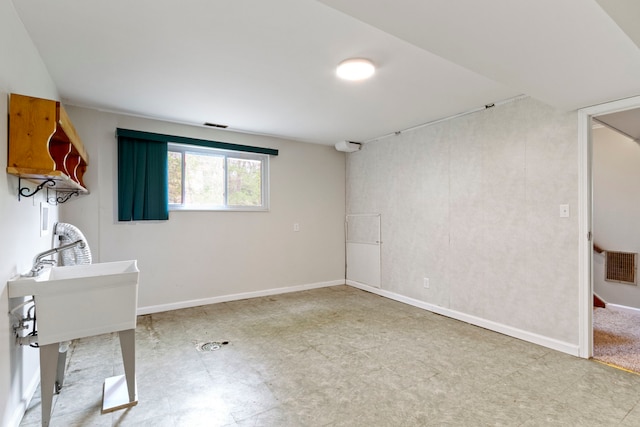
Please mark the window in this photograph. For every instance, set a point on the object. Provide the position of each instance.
(203, 178)
(205, 175)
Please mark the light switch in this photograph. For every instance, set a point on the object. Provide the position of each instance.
(564, 211)
(296, 227)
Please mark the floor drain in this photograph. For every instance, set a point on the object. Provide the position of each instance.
(212, 346)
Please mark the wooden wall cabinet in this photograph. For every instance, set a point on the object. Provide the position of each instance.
(44, 147)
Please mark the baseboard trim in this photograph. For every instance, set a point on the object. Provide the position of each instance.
(531, 337)
(234, 297)
(623, 308)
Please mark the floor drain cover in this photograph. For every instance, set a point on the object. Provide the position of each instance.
(212, 346)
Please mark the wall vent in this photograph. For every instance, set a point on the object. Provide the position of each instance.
(215, 125)
(621, 267)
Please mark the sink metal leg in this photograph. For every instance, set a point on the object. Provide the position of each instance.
(48, 368)
(128, 347)
(62, 359)
(120, 391)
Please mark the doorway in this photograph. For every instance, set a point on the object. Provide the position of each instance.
(585, 147)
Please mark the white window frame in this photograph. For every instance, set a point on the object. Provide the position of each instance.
(263, 158)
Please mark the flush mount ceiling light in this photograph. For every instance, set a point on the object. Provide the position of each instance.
(355, 69)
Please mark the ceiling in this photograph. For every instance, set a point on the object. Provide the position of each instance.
(626, 122)
(268, 67)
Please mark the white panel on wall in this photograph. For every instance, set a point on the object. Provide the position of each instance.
(363, 249)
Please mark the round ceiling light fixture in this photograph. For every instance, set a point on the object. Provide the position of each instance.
(355, 69)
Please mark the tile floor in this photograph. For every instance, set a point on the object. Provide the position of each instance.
(337, 357)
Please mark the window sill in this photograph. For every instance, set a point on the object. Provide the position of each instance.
(216, 209)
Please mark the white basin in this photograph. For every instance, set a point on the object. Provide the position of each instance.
(81, 300)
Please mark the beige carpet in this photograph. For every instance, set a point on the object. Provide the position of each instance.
(616, 338)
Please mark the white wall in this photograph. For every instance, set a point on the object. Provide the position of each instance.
(616, 208)
(472, 203)
(200, 257)
(21, 71)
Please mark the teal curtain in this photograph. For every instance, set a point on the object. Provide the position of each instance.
(142, 180)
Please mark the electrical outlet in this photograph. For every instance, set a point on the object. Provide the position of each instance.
(426, 283)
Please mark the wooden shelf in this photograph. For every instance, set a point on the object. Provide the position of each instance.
(44, 145)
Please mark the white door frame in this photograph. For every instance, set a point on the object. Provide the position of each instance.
(585, 340)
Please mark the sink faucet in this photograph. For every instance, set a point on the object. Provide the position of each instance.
(39, 262)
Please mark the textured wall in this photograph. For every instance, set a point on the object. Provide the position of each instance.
(473, 204)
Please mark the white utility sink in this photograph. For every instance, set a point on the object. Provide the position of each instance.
(81, 300)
